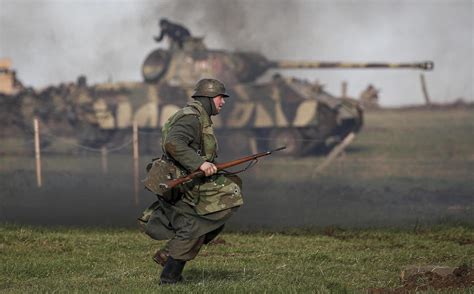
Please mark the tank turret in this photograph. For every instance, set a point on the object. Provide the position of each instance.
(184, 66)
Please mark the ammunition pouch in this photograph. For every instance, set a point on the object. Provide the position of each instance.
(159, 171)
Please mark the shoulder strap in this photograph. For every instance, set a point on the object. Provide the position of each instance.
(199, 113)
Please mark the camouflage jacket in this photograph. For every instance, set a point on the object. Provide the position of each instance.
(188, 138)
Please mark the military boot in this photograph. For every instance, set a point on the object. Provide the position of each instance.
(172, 270)
(161, 256)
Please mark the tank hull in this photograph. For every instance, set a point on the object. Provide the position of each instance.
(281, 112)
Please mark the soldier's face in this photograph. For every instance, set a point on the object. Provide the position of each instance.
(219, 102)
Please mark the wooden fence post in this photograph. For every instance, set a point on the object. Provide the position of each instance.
(39, 181)
(333, 154)
(425, 90)
(135, 161)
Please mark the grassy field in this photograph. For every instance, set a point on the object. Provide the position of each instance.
(402, 194)
(37, 259)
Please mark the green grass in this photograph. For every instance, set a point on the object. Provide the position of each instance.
(37, 259)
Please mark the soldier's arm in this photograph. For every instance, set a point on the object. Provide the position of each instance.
(160, 37)
(180, 136)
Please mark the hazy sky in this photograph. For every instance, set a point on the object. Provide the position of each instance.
(51, 41)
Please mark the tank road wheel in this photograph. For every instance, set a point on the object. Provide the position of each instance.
(291, 138)
(155, 65)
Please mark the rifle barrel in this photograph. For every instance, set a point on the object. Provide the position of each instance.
(277, 149)
(220, 166)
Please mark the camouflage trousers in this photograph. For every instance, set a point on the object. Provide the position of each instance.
(188, 249)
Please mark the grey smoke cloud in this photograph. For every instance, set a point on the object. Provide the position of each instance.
(51, 41)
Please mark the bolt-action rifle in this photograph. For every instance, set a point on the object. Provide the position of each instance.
(170, 184)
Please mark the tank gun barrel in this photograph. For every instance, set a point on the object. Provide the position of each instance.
(286, 64)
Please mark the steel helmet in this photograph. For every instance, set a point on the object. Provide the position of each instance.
(209, 88)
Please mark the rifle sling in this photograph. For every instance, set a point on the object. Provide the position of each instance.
(251, 164)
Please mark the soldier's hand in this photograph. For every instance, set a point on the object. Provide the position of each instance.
(208, 168)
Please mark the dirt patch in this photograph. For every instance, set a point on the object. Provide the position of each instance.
(461, 277)
(465, 241)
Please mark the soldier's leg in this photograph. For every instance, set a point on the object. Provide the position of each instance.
(212, 234)
(180, 251)
(162, 254)
(185, 249)
(190, 248)
(172, 270)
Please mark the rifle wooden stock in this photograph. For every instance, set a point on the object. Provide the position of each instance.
(220, 166)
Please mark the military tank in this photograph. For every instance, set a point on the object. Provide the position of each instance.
(282, 111)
